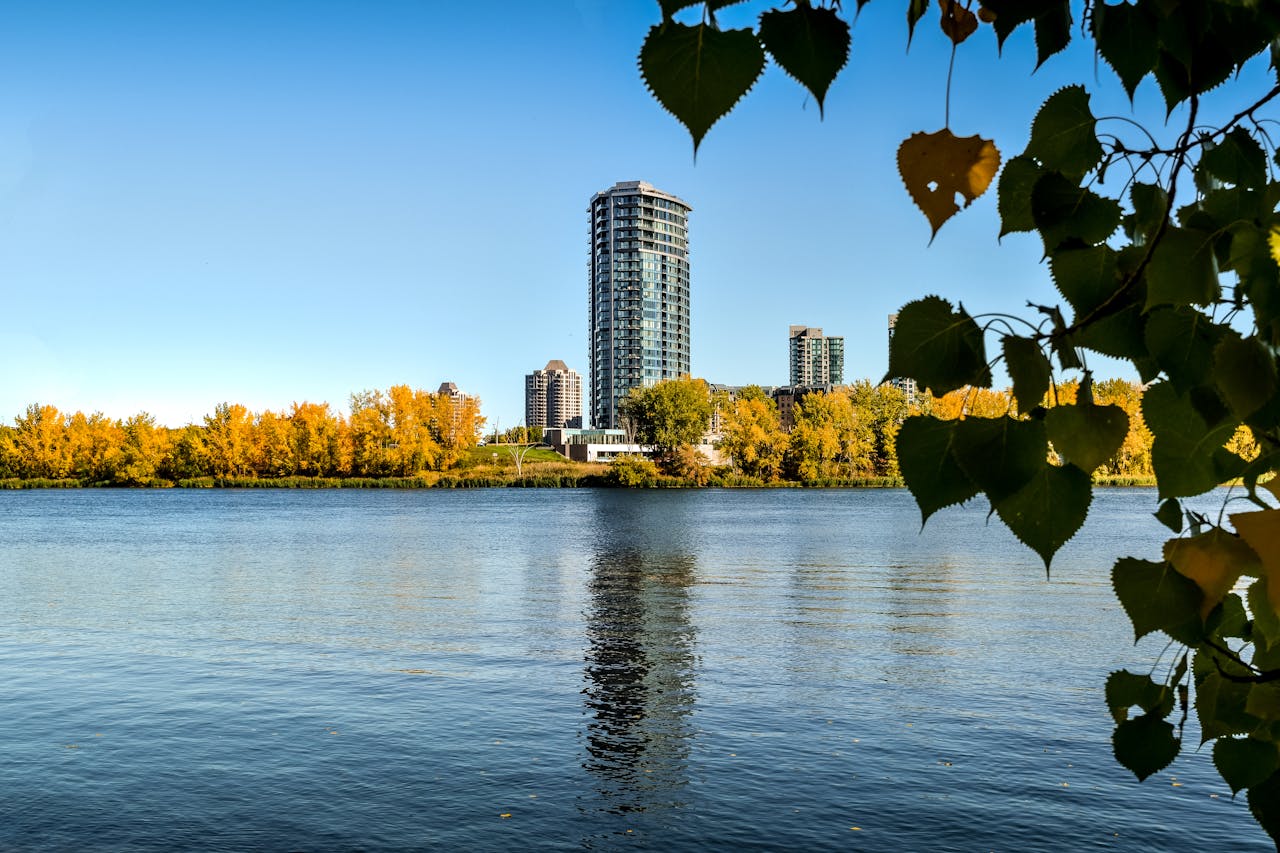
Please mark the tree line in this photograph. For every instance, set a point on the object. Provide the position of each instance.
(850, 432)
(399, 433)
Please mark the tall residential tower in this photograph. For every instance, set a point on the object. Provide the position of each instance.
(553, 397)
(639, 289)
(815, 359)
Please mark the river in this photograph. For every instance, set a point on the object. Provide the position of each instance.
(511, 669)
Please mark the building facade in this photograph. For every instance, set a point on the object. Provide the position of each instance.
(815, 359)
(553, 397)
(906, 386)
(639, 294)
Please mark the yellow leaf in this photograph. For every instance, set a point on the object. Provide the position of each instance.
(938, 167)
(505, 815)
(1214, 560)
(1262, 531)
(1275, 243)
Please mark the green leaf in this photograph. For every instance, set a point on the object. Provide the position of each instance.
(1126, 690)
(1087, 436)
(1183, 270)
(1264, 701)
(1157, 598)
(1014, 194)
(1028, 368)
(1063, 211)
(1000, 455)
(915, 11)
(1126, 38)
(1150, 206)
(1046, 512)
(811, 43)
(1184, 445)
(1229, 618)
(1245, 374)
(1053, 31)
(670, 7)
(1145, 745)
(1085, 277)
(1170, 515)
(928, 467)
(1245, 762)
(1264, 805)
(1266, 623)
(939, 348)
(1063, 134)
(698, 73)
(1182, 341)
(1220, 707)
(1011, 14)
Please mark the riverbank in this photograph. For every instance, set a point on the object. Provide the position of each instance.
(532, 480)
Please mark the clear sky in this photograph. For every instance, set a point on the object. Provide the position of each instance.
(272, 202)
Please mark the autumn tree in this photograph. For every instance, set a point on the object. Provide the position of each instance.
(1164, 246)
(142, 451)
(829, 438)
(751, 435)
(668, 415)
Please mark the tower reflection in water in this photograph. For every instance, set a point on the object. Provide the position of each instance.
(639, 679)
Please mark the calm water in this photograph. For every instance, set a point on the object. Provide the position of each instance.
(512, 669)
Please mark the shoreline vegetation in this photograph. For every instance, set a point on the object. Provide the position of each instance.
(533, 479)
(404, 438)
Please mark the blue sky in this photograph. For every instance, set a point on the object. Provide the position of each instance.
(274, 202)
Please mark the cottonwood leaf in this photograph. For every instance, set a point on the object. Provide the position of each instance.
(1053, 31)
(957, 21)
(1063, 135)
(1150, 206)
(1214, 560)
(1261, 532)
(1145, 745)
(1170, 515)
(670, 7)
(1237, 160)
(1046, 512)
(1182, 341)
(1221, 704)
(1085, 277)
(1064, 211)
(938, 167)
(698, 72)
(1183, 270)
(1184, 449)
(1266, 622)
(1157, 598)
(1245, 762)
(1014, 195)
(1007, 15)
(928, 466)
(1126, 690)
(1245, 373)
(1126, 38)
(941, 349)
(1001, 454)
(1264, 805)
(1028, 368)
(1085, 435)
(811, 43)
(915, 11)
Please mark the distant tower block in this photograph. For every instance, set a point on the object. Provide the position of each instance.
(553, 397)
(815, 359)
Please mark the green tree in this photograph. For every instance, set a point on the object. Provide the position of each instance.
(668, 415)
(1140, 227)
(882, 408)
(142, 452)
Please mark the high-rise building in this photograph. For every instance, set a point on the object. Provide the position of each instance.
(553, 397)
(639, 289)
(906, 386)
(815, 359)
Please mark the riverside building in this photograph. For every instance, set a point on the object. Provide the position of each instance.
(639, 294)
(553, 397)
(815, 359)
(906, 386)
